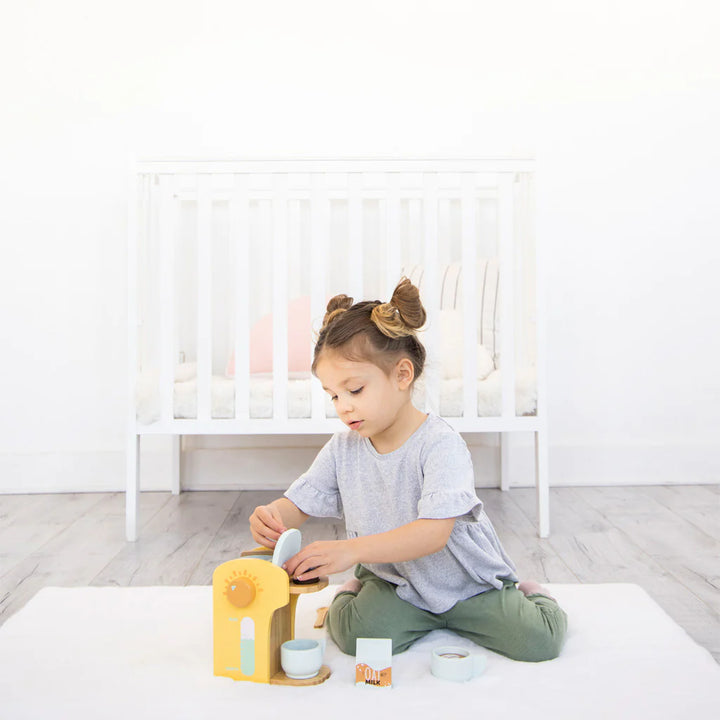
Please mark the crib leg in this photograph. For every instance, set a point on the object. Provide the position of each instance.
(542, 483)
(132, 488)
(504, 461)
(176, 464)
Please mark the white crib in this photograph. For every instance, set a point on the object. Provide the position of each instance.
(231, 265)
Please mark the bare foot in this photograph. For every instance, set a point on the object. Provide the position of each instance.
(353, 585)
(531, 587)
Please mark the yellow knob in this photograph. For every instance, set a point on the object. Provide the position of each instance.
(241, 592)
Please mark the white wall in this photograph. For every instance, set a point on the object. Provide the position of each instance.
(618, 101)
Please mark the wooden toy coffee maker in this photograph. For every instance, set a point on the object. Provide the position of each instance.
(254, 603)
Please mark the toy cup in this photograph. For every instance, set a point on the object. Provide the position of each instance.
(302, 659)
(456, 664)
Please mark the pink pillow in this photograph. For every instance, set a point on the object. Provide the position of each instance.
(299, 340)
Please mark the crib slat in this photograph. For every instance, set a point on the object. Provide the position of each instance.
(355, 237)
(319, 243)
(168, 342)
(539, 353)
(136, 200)
(280, 297)
(146, 268)
(204, 299)
(430, 296)
(393, 263)
(507, 290)
(240, 235)
(469, 278)
(137, 190)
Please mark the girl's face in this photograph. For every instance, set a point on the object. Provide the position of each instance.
(365, 398)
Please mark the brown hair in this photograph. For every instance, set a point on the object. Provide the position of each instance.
(380, 333)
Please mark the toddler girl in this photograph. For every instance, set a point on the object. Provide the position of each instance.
(426, 555)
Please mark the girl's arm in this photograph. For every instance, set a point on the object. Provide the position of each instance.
(408, 542)
(268, 522)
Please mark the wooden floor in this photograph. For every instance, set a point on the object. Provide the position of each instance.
(665, 539)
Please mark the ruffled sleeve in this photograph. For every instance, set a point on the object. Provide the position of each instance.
(448, 481)
(316, 492)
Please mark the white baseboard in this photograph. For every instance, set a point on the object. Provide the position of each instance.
(274, 468)
(61, 472)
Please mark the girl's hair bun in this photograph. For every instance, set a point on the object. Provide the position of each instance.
(403, 315)
(371, 331)
(335, 306)
(406, 298)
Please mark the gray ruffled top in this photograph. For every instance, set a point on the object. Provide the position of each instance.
(430, 476)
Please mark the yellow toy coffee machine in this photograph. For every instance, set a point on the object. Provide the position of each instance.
(254, 603)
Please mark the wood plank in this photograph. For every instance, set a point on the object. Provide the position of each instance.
(75, 553)
(698, 504)
(569, 513)
(700, 575)
(612, 557)
(44, 518)
(172, 542)
(15, 508)
(585, 536)
(592, 547)
(234, 536)
(669, 557)
(658, 530)
(535, 558)
(693, 615)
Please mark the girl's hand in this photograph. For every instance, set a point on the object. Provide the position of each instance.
(321, 558)
(266, 525)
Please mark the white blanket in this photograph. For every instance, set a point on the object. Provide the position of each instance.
(147, 653)
(222, 391)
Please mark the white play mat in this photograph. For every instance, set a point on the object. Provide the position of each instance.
(147, 653)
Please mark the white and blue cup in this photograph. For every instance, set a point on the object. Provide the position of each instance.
(449, 662)
(302, 659)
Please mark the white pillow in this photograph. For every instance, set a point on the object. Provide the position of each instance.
(185, 371)
(450, 350)
(452, 363)
(485, 363)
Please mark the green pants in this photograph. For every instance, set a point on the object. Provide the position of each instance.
(528, 628)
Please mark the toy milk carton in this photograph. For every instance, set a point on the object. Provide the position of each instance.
(374, 662)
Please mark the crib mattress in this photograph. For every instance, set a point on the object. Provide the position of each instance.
(299, 402)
